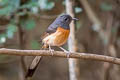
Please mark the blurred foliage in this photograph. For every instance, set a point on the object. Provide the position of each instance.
(35, 44)
(8, 7)
(29, 5)
(46, 5)
(2, 38)
(13, 7)
(28, 24)
(106, 6)
(11, 29)
(78, 9)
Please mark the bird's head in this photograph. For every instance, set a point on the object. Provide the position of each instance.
(65, 20)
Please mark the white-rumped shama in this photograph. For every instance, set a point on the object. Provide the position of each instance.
(56, 35)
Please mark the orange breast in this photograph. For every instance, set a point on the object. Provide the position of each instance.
(58, 38)
(61, 36)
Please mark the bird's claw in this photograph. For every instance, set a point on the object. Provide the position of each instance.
(67, 53)
(51, 51)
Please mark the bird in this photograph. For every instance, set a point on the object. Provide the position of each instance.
(56, 35)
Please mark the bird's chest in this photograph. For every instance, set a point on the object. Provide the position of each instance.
(58, 38)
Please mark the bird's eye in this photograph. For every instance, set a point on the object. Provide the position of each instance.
(65, 19)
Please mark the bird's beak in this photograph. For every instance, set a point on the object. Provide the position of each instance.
(75, 19)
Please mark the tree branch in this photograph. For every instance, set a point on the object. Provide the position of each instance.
(86, 56)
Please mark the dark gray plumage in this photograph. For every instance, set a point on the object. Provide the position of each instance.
(62, 21)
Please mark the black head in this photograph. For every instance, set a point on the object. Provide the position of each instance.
(61, 21)
(64, 21)
(65, 18)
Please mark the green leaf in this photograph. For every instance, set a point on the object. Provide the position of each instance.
(6, 10)
(50, 5)
(35, 10)
(78, 9)
(46, 5)
(14, 3)
(11, 29)
(8, 7)
(29, 5)
(2, 38)
(29, 24)
(106, 6)
(21, 13)
(3, 2)
(35, 45)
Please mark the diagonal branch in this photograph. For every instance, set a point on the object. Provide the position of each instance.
(95, 57)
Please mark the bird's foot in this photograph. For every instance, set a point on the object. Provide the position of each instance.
(51, 51)
(67, 52)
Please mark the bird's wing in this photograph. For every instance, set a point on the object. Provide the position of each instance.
(44, 35)
(53, 27)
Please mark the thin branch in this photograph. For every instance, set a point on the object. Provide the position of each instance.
(86, 56)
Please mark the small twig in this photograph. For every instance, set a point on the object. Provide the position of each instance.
(60, 54)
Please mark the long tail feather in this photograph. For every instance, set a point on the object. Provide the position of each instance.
(33, 66)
